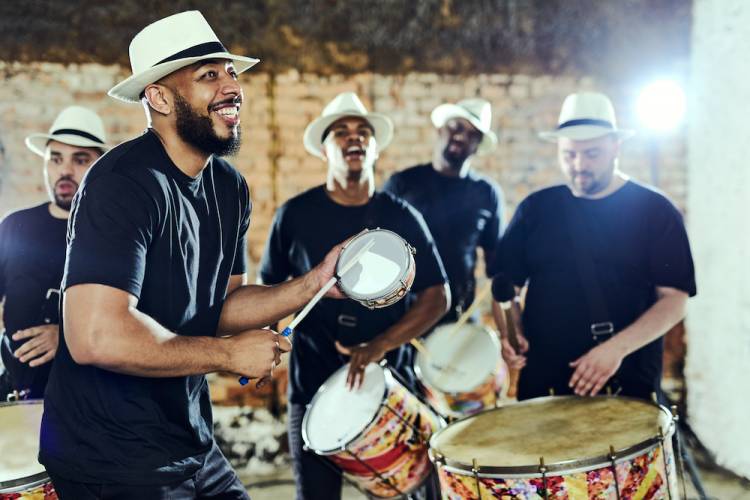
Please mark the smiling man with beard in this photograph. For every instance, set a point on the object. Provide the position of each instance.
(154, 288)
(462, 208)
(32, 252)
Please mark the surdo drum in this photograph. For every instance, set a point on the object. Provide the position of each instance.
(464, 372)
(377, 435)
(559, 447)
(21, 475)
(384, 273)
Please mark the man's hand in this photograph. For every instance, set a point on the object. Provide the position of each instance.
(360, 356)
(514, 359)
(593, 369)
(326, 270)
(255, 353)
(41, 345)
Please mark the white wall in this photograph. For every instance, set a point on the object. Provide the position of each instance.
(718, 364)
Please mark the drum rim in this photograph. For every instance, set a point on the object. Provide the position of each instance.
(566, 466)
(389, 290)
(27, 481)
(423, 379)
(344, 446)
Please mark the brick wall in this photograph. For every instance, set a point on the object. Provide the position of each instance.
(277, 109)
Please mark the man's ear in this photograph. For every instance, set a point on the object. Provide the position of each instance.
(159, 98)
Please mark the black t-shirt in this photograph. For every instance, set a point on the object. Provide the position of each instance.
(637, 241)
(141, 225)
(463, 213)
(32, 256)
(303, 232)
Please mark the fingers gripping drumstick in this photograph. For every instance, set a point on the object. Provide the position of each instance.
(329, 284)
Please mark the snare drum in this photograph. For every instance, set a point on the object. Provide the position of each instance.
(377, 435)
(559, 447)
(383, 275)
(21, 475)
(464, 372)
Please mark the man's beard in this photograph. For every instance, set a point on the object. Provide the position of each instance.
(455, 160)
(199, 131)
(64, 202)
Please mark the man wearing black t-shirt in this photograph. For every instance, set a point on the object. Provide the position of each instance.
(463, 209)
(32, 252)
(607, 264)
(154, 286)
(349, 139)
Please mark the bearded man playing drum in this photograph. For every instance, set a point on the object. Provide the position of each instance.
(349, 139)
(607, 263)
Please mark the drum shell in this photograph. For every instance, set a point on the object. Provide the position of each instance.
(37, 485)
(389, 444)
(645, 470)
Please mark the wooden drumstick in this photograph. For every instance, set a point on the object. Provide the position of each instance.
(419, 346)
(324, 289)
(477, 302)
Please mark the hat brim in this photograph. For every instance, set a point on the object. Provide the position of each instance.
(130, 89)
(313, 137)
(37, 143)
(584, 133)
(441, 114)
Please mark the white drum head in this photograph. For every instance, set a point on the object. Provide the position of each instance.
(19, 440)
(379, 269)
(459, 361)
(337, 415)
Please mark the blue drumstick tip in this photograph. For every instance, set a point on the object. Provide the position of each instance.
(287, 332)
(244, 380)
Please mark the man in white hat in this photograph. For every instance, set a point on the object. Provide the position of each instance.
(349, 139)
(32, 251)
(154, 292)
(462, 208)
(607, 264)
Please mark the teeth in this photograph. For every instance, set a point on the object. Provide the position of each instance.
(228, 111)
(353, 149)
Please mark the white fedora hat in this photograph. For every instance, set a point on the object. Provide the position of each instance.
(477, 111)
(344, 105)
(76, 126)
(169, 44)
(584, 116)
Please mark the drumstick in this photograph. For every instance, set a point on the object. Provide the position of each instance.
(419, 346)
(477, 302)
(329, 284)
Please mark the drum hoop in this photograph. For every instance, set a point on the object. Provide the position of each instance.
(28, 481)
(566, 466)
(423, 379)
(344, 447)
(404, 272)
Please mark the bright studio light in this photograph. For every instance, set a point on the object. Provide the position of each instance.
(661, 105)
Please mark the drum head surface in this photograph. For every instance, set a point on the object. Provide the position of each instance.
(559, 429)
(379, 269)
(337, 415)
(460, 360)
(19, 440)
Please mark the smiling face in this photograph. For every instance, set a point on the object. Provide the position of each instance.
(352, 139)
(206, 101)
(64, 168)
(458, 140)
(588, 165)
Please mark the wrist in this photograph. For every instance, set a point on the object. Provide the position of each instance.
(223, 359)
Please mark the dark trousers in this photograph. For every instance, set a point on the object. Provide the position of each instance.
(317, 480)
(216, 480)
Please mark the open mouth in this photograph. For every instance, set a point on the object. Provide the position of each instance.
(354, 153)
(65, 187)
(229, 113)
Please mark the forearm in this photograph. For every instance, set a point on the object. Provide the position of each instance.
(655, 322)
(430, 306)
(257, 306)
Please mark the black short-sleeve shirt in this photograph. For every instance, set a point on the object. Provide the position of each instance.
(637, 240)
(303, 231)
(463, 213)
(32, 256)
(140, 224)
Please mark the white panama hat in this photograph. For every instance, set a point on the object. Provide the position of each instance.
(477, 111)
(169, 44)
(584, 116)
(76, 126)
(344, 105)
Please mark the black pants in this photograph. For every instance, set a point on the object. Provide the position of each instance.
(317, 480)
(216, 480)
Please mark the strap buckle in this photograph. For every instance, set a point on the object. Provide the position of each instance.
(600, 329)
(347, 320)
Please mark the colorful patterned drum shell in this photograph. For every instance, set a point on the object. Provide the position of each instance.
(21, 475)
(383, 275)
(377, 435)
(464, 372)
(497, 453)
